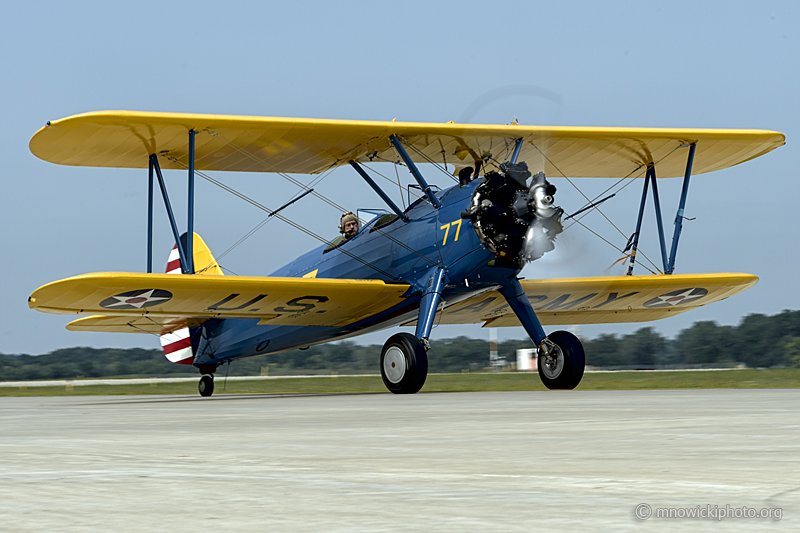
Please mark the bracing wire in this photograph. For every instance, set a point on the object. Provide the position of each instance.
(428, 159)
(617, 248)
(268, 218)
(631, 179)
(271, 215)
(315, 193)
(632, 174)
(297, 182)
(393, 182)
(281, 174)
(288, 221)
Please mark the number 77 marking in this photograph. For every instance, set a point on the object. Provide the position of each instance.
(446, 229)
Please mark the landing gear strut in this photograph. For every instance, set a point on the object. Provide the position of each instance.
(561, 361)
(404, 364)
(404, 358)
(561, 358)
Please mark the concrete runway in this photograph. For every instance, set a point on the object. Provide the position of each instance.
(514, 461)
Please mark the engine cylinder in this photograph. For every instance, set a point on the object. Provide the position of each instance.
(515, 221)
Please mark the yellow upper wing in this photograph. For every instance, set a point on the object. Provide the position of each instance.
(264, 144)
(602, 300)
(279, 301)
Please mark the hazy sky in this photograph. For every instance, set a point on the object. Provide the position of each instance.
(677, 64)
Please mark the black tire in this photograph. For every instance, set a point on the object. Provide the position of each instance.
(206, 385)
(404, 364)
(565, 369)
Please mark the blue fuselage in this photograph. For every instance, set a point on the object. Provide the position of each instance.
(407, 252)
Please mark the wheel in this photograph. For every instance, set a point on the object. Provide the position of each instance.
(404, 364)
(563, 369)
(206, 385)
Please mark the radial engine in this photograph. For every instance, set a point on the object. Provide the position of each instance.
(514, 220)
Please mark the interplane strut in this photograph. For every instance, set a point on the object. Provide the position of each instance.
(668, 262)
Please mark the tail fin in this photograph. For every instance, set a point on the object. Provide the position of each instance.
(204, 262)
(180, 345)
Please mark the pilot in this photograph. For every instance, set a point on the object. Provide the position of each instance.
(348, 226)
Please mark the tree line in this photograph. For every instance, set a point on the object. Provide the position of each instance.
(759, 341)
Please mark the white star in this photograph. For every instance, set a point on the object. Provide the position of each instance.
(137, 301)
(672, 299)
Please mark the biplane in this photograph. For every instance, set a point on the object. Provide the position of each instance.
(453, 256)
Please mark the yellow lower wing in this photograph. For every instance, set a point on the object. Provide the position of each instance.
(160, 299)
(153, 303)
(154, 325)
(602, 300)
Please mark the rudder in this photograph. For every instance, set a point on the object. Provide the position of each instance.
(180, 345)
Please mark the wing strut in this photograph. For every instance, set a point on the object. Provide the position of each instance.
(415, 171)
(681, 206)
(150, 217)
(650, 179)
(187, 253)
(659, 222)
(190, 201)
(517, 148)
(155, 166)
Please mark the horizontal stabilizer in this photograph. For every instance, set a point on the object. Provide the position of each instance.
(602, 300)
(278, 301)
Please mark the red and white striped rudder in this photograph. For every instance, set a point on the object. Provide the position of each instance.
(177, 343)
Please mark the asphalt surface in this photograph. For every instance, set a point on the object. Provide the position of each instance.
(513, 461)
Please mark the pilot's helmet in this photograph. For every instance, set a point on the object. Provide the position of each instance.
(347, 217)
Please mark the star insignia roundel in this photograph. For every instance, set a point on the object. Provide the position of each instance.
(679, 297)
(137, 299)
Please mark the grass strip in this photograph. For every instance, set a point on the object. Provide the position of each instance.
(517, 381)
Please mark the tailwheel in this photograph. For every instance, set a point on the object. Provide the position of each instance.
(206, 385)
(404, 364)
(562, 363)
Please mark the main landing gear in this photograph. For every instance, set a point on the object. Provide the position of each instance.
(404, 361)
(404, 364)
(561, 358)
(561, 361)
